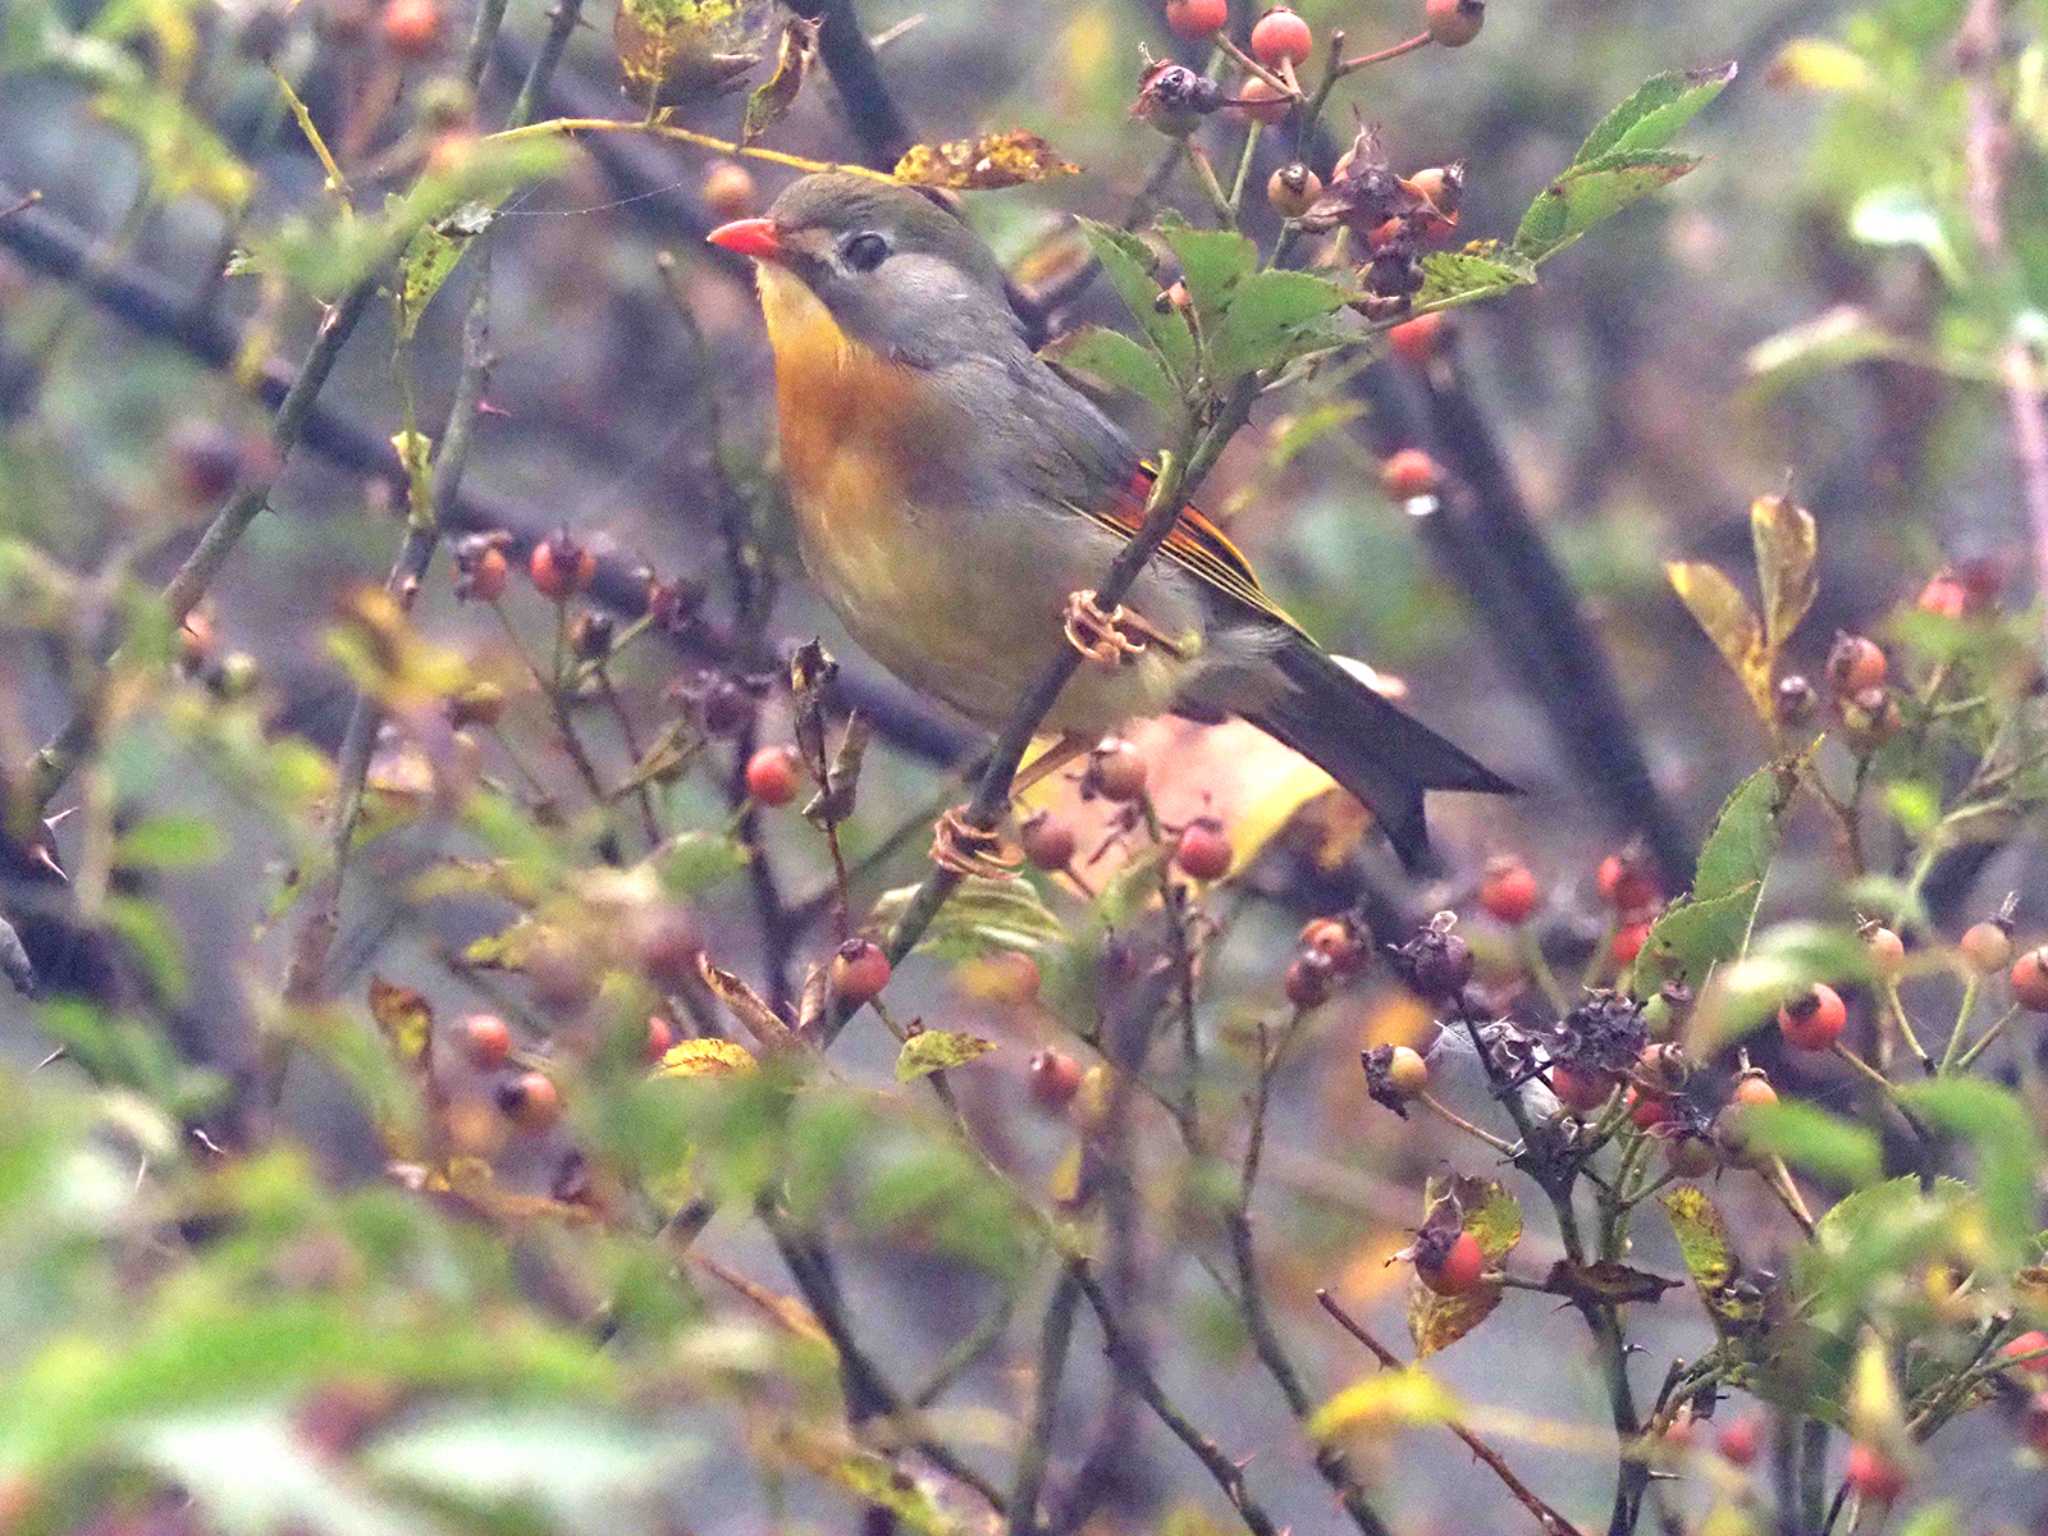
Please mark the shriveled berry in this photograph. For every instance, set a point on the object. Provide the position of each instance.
(2029, 1352)
(1197, 19)
(1690, 1156)
(1580, 1089)
(486, 1040)
(1509, 891)
(1054, 1078)
(1409, 473)
(590, 635)
(1873, 1475)
(859, 971)
(1437, 962)
(2029, 978)
(530, 1101)
(1814, 1020)
(1417, 341)
(1738, 1441)
(729, 190)
(561, 568)
(412, 28)
(1986, 946)
(661, 1035)
(725, 707)
(773, 774)
(1047, 843)
(481, 573)
(207, 458)
(1854, 664)
(1886, 949)
(1203, 851)
(1281, 37)
(1262, 102)
(1309, 980)
(1343, 941)
(1454, 1270)
(1453, 23)
(1293, 189)
(1116, 770)
(1794, 701)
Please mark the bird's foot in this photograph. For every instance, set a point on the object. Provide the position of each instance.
(1113, 638)
(961, 848)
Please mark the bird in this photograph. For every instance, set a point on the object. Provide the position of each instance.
(957, 499)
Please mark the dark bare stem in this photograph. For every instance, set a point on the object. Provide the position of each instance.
(1552, 1522)
(650, 824)
(1054, 1337)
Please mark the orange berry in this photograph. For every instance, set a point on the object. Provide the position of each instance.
(1754, 1088)
(1625, 883)
(1648, 1110)
(1987, 946)
(660, 1036)
(1116, 770)
(1047, 843)
(1407, 1072)
(1855, 664)
(560, 567)
(1579, 1089)
(1410, 473)
(729, 190)
(772, 775)
(1628, 942)
(1813, 1022)
(2031, 1343)
(859, 972)
(485, 1040)
(1197, 19)
(1281, 37)
(412, 28)
(1293, 190)
(531, 1101)
(1262, 102)
(1453, 23)
(1509, 891)
(1417, 341)
(1738, 1441)
(1874, 1475)
(2029, 978)
(1886, 949)
(1309, 980)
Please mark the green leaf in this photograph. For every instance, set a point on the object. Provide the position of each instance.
(1593, 192)
(1780, 962)
(1213, 262)
(1807, 1136)
(694, 862)
(1994, 1121)
(1868, 1238)
(250, 1471)
(431, 255)
(983, 917)
(1273, 317)
(148, 931)
(1653, 116)
(1902, 216)
(938, 1050)
(1128, 266)
(1113, 358)
(1704, 1247)
(1712, 925)
(1694, 936)
(169, 842)
(1450, 278)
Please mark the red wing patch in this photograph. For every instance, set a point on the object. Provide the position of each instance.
(1196, 545)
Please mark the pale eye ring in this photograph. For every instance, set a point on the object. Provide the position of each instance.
(864, 252)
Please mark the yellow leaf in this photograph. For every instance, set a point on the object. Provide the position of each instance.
(1787, 548)
(1484, 1208)
(980, 165)
(1815, 64)
(671, 49)
(1389, 1400)
(937, 1050)
(748, 1006)
(706, 1058)
(1725, 615)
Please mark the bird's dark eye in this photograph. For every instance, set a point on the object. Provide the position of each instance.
(864, 252)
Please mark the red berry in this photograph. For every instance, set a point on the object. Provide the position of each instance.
(1453, 23)
(1293, 190)
(1625, 883)
(1263, 102)
(1580, 1089)
(481, 577)
(485, 1040)
(207, 458)
(412, 28)
(772, 775)
(1197, 19)
(1047, 843)
(1648, 1110)
(1410, 473)
(1509, 891)
(1987, 946)
(1855, 664)
(1281, 37)
(1339, 940)
(1738, 1441)
(1416, 341)
(1945, 596)
(1628, 942)
(2029, 979)
(1203, 852)
(1457, 1271)
(660, 1036)
(859, 972)
(1874, 1475)
(2033, 1342)
(1116, 770)
(1054, 1078)
(1754, 1088)
(1309, 980)
(1886, 949)
(560, 567)
(531, 1101)
(1813, 1022)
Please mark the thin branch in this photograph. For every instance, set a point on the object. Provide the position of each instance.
(1055, 1335)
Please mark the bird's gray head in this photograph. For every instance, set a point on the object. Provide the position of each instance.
(899, 273)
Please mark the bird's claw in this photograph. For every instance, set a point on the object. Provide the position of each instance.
(1113, 638)
(961, 848)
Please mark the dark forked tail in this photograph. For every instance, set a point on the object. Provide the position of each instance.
(1367, 745)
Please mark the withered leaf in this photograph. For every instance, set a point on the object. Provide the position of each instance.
(1787, 550)
(772, 99)
(670, 50)
(404, 1016)
(985, 164)
(1605, 1282)
(1493, 1216)
(1722, 611)
(748, 1006)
